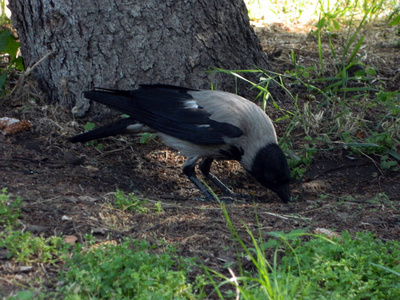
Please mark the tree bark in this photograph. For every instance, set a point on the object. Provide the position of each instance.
(122, 43)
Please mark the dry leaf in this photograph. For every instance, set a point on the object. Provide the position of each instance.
(102, 244)
(70, 239)
(329, 233)
(10, 126)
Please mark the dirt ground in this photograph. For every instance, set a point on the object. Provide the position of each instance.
(67, 188)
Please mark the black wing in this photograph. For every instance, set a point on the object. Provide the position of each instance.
(117, 127)
(170, 110)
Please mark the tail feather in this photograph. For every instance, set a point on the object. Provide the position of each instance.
(118, 127)
(117, 99)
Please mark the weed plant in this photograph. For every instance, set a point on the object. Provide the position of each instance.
(10, 209)
(131, 202)
(9, 61)
(21, 246)
(25, 248)
(309, 266)
(344, 105)
(128, 271)
(302, 266)
(359, 267)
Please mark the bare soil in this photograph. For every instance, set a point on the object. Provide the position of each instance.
(68, 188)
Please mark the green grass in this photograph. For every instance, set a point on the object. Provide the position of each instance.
(312, 266)
(128, 271)
(299, 265)
(334, 11)
(265, 282)
(346, 267)
(4, 20)
(346, 105)
(9, 208)
(133, 203)
(363, 120)
(21, 246)
(25, 248)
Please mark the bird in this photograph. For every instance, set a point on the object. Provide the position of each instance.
(203, 125)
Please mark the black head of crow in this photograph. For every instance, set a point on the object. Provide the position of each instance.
(201, 124)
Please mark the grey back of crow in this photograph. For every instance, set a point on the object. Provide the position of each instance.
(200, 124)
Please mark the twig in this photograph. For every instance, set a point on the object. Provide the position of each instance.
(27, 72)
(109, 152)
(285, 217)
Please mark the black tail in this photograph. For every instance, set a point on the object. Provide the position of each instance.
(117, 99)
(118, 127)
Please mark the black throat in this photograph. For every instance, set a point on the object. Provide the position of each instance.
(233, 153)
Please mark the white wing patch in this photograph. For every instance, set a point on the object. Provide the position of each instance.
(138, 127)
(190, 104)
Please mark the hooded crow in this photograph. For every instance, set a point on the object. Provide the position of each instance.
(200, 124)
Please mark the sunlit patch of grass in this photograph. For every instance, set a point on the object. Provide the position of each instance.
(347, 267)
(310, 266)
(339, 102)
(308, 11)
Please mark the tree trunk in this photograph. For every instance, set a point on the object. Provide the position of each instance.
(122, 43)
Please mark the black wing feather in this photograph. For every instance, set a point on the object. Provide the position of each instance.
(117, 127)
(164, 109)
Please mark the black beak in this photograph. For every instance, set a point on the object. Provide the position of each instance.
(283, 192)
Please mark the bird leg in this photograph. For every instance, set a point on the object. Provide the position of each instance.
(189, 171)
(204, 167)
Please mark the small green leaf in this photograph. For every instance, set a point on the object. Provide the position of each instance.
(394, 155)
(385, 268)
(395, 21)
(363, 145)
(19, 63)
(147, 137)
(336, 25)
(89, 126)
(8, 43)
(25, 295)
